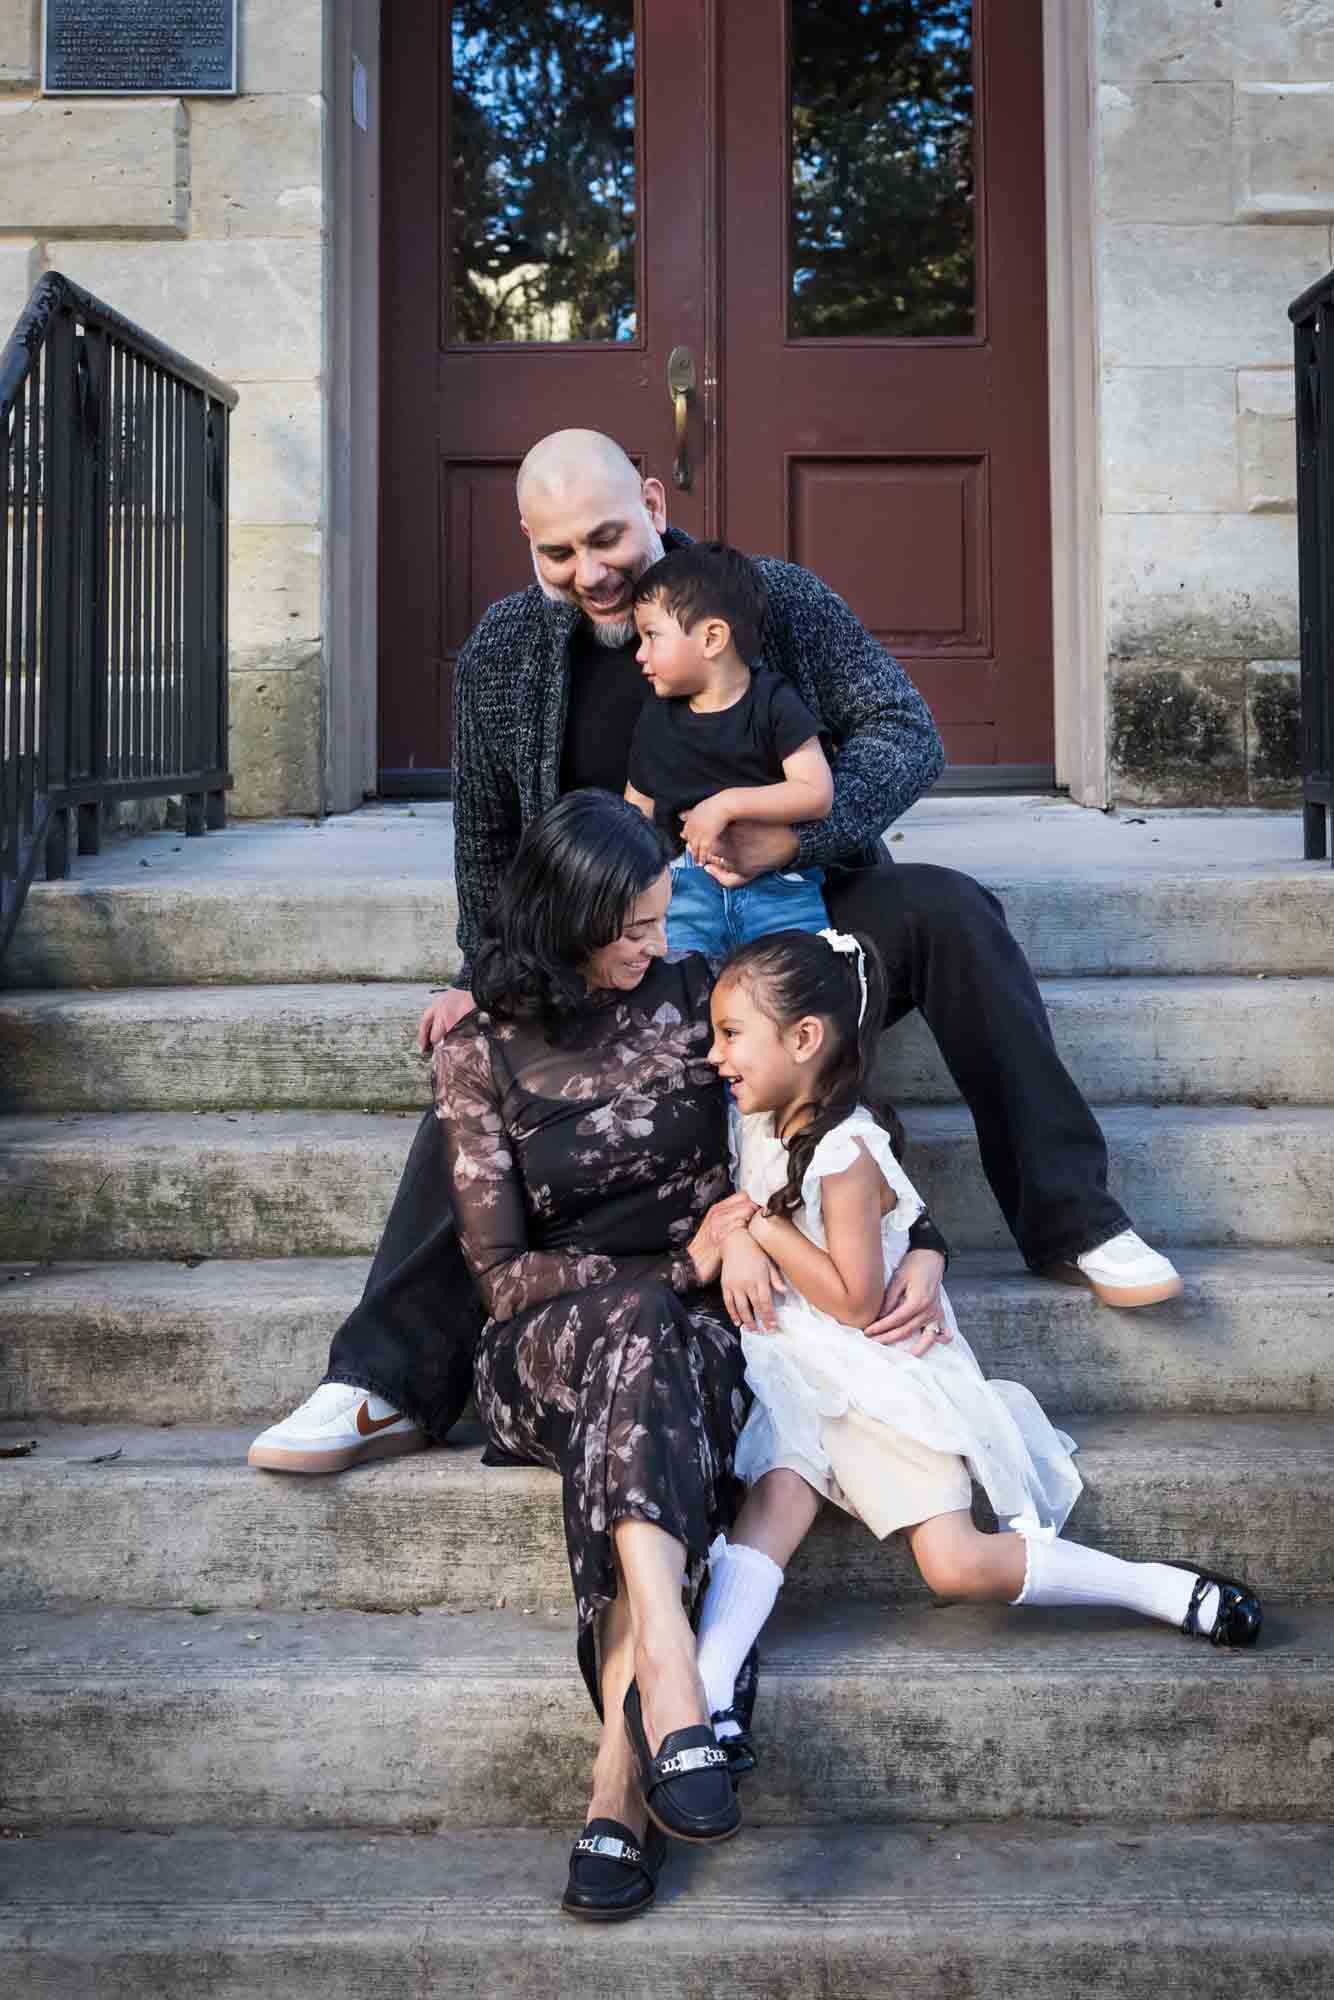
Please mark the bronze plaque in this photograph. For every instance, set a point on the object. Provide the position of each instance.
(151, 47)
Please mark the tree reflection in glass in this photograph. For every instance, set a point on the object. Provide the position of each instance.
(542, 189)
(882, 168)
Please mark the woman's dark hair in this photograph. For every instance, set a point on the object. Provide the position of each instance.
(791, 974)
(579, 869)
(710, 580)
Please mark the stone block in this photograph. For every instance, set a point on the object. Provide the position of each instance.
(20, 268)
(276, 471)
(1204, 296)
(1148, 40)
(1169, 440)
(1201, 586)
(1273, 732)
(1284, 161)
(1282, 40)
(119, 166)
(19, 60)
(257, 166)
(277, 731)
(281, 46)
(250, 311)
(275, 577)
(1166, 152)
(1267, 433)
(1178, 732)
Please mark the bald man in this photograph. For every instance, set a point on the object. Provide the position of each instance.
(547, 694)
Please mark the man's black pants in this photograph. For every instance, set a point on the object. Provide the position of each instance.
(949, 953)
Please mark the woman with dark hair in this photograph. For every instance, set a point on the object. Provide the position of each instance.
(586, 1136)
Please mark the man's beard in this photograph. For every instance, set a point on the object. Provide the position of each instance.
(612, 636)
(625, 629)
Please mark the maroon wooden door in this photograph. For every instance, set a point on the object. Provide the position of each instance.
(909, 464)
(463, 399)
(836, 206)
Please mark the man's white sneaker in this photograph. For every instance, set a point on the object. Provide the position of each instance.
(336, 1427)
(1123, 1272)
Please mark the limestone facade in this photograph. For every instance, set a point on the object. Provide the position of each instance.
(1214, 179)
(206, 220)
(212, 222)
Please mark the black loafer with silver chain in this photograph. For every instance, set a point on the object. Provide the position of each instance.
(612, 1875)
(687, 1787)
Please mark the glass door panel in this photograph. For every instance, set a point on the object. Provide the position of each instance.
(882, 240)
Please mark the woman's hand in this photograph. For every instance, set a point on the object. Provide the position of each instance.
(911, 1308)
(705, 1248)
(750, 1280)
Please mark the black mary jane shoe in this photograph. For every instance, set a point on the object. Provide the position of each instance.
(1239, 1616)
(613, 1876)
(737, 1747)
(687, 1787)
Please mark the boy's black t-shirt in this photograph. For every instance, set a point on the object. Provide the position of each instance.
(607, 693)
(681, 755)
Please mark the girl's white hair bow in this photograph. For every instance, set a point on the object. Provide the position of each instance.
(848, 947)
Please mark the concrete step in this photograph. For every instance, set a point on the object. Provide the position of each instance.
(293, 1183)
(180, 1519)
(1126, 1041)
(231, 1341)
(156, 1343)
(134, 1720)
(1121, 1911)
(371, 896)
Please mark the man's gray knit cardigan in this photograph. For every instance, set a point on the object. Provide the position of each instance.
(511, 691)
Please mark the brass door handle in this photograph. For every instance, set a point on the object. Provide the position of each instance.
(680, 387)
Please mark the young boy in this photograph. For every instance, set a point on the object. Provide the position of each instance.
(725, 740)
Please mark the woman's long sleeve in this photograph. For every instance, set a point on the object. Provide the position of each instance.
(490, 1206)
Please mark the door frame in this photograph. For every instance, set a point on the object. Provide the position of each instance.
(351, 524)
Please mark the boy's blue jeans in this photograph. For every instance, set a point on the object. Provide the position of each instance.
(706, 917)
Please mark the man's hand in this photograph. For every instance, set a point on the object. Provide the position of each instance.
(911, 1307)
(703, 827)
(724, 1219)
(753, 847)
(447, 1008)
(750, 1280)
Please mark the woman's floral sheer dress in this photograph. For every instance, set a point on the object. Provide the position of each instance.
(580, 1174)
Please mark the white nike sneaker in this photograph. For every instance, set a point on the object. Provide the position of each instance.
(1123, 1272)
(336, 1427)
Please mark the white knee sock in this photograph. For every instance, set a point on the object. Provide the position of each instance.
(1067, 1573)
(743, 1584)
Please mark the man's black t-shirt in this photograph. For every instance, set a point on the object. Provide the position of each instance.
(607, 692)
(681, 755)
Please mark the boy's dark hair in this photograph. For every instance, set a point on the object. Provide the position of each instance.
(710, 580)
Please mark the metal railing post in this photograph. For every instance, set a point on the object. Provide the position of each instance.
(113, 582)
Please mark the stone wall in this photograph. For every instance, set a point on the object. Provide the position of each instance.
(204, 219)
(1215, 191)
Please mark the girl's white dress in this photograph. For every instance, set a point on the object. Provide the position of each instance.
(874, 1428)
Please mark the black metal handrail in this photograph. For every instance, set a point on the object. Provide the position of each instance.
(113, 582)
(1312, 316)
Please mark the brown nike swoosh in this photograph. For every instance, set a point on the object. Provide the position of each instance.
(369, 1425)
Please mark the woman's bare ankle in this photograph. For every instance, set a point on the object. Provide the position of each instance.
(670, 1690)
(621, 1800)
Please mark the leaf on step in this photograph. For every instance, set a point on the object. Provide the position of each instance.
(24, 1450)
(202, 1610)
(193, 1263)
(105, 1457)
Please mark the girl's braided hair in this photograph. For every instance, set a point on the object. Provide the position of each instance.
(791, 974)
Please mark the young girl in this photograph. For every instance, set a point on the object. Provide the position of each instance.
(894, 1437)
